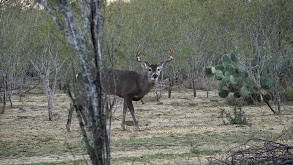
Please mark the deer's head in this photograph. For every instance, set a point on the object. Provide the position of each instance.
(154, 70)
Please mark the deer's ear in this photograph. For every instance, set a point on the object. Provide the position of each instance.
(143, 64)
(164, 64)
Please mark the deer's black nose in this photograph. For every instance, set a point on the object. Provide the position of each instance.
(155, 75)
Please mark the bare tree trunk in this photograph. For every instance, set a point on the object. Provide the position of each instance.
(208, 84)
(4, 93)
(277, 101)
(99, 148)
(50, 99)
(4, 102)
(207, 92)
(9, 92)
(170, 88)
(20, 91)
(194, 88)
(276, 90)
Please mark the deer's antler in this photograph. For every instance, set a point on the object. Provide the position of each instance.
(170, 54)
(138, 54)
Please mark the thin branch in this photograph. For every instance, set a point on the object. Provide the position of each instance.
(61, 27)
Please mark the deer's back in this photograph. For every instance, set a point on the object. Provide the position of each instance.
(122, 82)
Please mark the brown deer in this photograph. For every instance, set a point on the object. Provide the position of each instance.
(129, 85)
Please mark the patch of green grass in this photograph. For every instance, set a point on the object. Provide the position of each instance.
(75, 162)
(37, 147)
(154, 142)
(198, 144)
(47, 139)
(205, 151)
(147, 158)
(204, 139)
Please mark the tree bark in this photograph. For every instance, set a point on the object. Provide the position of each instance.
(194, 88)
(50, 99)
(4, 102)
(170, 88)
(20, 91)
(99, 148)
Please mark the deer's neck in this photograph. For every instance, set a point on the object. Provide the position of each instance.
(146, 84)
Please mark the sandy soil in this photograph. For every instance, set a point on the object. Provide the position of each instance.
(26, 135)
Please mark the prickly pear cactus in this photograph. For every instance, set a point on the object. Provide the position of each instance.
(233, 78)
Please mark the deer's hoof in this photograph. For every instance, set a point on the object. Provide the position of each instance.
(138, 128)
(123, 127)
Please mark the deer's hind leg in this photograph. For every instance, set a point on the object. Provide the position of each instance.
(123, 125)
(129, 104)
(71, 108)
(84, 117)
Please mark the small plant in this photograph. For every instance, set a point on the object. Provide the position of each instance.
(192, 104)
(47, 139)
(238, 116)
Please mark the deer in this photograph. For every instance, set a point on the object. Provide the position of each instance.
(129, 85)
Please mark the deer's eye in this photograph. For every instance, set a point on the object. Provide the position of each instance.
(150, 69)
(159, 69)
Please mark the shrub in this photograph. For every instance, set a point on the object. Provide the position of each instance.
(288, 94)
(238, 116)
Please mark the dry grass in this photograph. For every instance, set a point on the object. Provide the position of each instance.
(180, 130)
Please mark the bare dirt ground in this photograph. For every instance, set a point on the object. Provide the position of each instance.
(179, 130)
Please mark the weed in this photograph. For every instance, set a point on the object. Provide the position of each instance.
(238, 116)
(47, 139)
(175, 103)
(192, 104)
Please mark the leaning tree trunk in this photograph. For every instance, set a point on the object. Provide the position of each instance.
(266, 101)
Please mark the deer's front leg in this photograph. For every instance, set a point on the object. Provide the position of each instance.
(123, 125)
(69, 118)
(129, 104)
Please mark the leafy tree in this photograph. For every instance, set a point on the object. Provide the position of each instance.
(15, 29)
(51, 68)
